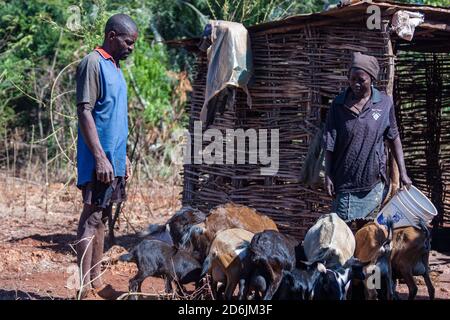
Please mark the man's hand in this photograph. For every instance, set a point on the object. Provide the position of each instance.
(128, 170)
(405, 181)
(329, 186)
(104, 170)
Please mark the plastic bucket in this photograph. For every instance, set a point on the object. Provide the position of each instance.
(399, 213)
(418, 204)
(406, 208)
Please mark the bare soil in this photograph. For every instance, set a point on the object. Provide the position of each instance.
(39, 226)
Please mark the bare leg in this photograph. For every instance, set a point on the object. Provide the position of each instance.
(111, 237)
(89, 221)
(97, 249)
(112, 219)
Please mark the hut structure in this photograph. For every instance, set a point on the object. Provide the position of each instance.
(300, 65)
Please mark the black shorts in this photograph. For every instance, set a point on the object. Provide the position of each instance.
(102, 195)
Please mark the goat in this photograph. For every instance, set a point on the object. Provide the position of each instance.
(272, 252)
(177, 225)
(373, 248)
(228, 261)
(329, 241)
(316, 282)
(177, 231)
(200, 236)
(233, 215)
(409, 258)
(333, 283)
(408, 255)
(155, 258)
(299, 284)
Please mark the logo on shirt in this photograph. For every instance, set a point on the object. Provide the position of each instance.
(376, 115)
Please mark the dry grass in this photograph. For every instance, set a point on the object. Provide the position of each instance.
(35, 215)
(147, 200)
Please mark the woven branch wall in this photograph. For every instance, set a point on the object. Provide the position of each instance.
(297, 74)
(422, 96)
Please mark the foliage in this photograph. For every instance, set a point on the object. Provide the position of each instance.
(38, 55)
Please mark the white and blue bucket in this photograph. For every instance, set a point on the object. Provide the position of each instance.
(407, 207)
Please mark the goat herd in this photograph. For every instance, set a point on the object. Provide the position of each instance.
(237, 246)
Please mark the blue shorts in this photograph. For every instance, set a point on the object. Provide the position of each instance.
(365, 205)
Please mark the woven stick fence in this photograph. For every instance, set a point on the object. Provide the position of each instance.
(422, 96)
(298, 71)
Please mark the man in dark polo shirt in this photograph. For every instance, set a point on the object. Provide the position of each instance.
(102, 164)
(359, 121)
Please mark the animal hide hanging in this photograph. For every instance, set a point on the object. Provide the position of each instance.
(230, 66)
(313, 169)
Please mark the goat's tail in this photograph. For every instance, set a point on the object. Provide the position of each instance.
(127, 257)
(388, 243)
(424, 228)
(390, 228)
(152, 228)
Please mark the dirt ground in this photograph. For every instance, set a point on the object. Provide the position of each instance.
(39, 226)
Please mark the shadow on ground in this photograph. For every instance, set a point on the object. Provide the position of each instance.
(60, 243)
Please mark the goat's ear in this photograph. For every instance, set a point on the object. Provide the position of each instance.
(321, 268)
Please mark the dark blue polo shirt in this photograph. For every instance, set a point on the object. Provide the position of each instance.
(101, 88)
(357, 141)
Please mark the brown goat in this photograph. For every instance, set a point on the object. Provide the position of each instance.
(228, 261)
(409, 255)
(369, 240)
(233, 215)
(374, 248)
(225, 217)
